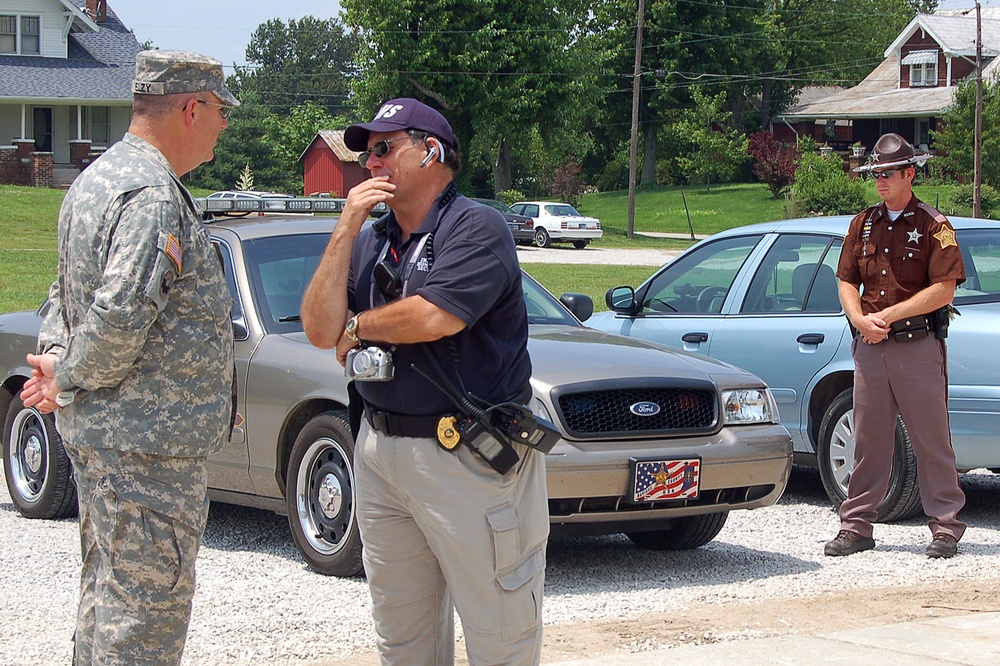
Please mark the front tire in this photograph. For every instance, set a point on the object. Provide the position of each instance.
(320, 496)
(686, 533)
(38, 472)
(836, 462)
(542, 238)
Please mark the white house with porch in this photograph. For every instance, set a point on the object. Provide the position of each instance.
(66, 68)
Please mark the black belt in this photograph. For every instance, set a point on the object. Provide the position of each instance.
(401, 425)
(911, 328)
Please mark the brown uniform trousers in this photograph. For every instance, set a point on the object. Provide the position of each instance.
(908, 378)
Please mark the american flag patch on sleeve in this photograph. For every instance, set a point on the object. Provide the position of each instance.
(173, 250)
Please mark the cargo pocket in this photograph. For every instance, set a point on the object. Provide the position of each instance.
(519, 557)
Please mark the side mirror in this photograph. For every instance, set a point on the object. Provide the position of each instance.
(580, 305)
(240, 330)
(621, 299)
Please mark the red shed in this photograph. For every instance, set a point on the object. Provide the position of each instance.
(330, 167)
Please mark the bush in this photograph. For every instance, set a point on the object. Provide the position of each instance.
(511, 197)
(773, 163)
(615, 175)
(823, 188)
(989, 198)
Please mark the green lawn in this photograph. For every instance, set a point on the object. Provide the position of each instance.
(28, 220)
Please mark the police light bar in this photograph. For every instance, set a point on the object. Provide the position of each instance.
(276, 205)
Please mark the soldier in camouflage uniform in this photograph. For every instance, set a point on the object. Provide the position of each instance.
(138, 362)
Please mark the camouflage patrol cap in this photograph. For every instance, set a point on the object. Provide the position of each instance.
(168, 72)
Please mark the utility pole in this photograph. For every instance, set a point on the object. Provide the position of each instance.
(633, 152)
(977, 169)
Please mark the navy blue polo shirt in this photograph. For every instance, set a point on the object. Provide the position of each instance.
(469, 268)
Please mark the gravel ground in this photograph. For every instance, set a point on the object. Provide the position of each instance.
(257, 603)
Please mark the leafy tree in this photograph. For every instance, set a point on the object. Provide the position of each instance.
(823, 188)
(291, 134)
(496, 70)
(712, 147)
(773, 163)
(245, 143)
(308, 60)
(565, 182)
(956, 135)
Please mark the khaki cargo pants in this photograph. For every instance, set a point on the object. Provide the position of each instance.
(442, 530)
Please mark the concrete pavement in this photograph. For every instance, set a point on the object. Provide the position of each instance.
(961, 639)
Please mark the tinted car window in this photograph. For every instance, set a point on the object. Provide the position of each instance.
(981, 253)
(542, 308)
(699, 282)
(280, 268)
(796, 276)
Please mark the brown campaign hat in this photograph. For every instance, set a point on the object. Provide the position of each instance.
(892, 151)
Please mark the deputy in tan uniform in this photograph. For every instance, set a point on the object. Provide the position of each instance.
(138, 363)
(904, 254)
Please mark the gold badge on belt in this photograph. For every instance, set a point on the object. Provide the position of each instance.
(447, 433)
(946, 237)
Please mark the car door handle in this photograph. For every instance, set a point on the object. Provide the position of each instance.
(695, 337)
(811, 338)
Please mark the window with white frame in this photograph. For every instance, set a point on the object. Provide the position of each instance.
(97, 124)
(20, 34)
(8, 34)
(30, 43)
(923, 68)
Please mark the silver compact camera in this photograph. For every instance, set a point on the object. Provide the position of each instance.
(369, 364)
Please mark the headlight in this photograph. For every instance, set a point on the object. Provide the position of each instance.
(746, 406)
(538, 409)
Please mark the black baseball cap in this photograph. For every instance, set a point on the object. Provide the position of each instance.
(400, 114)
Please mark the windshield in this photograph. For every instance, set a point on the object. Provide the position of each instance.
(499, 205)
(981, 255)
(561, 210)
(280, 268)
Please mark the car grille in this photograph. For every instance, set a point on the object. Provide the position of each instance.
(628, 410)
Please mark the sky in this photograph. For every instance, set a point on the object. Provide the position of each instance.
(222, 28)
(217, 28)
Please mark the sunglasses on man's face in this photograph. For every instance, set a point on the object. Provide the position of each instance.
(887, 174)
(224, 109)
(379, 150)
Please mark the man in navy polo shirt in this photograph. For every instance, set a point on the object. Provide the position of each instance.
(436, 283)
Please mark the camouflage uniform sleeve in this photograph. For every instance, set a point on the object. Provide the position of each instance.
(136, 279)
(54, 333)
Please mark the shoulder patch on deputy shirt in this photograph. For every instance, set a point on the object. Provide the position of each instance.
(173, 250)
(946, 237)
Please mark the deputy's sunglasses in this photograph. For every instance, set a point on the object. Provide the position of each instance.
(887, 174)
(224, 109)
(379, 150)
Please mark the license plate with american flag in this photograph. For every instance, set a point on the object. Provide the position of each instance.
(658, 480)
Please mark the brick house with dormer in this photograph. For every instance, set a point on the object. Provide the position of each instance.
(66, 70)
(908, 91)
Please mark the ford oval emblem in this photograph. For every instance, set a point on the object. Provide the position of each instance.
(644, 408)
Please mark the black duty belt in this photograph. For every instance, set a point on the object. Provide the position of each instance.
(401, 425)
(911, 328)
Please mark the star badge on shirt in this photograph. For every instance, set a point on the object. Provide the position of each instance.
(946, 237)
(915, 236)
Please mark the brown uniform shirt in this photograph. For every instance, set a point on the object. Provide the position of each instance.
(894, 259)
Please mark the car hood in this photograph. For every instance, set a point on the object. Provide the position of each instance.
(568, 354)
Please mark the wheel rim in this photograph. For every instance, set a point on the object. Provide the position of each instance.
(841, 456)
(540, 238)
(28, 456)
(324, 496)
